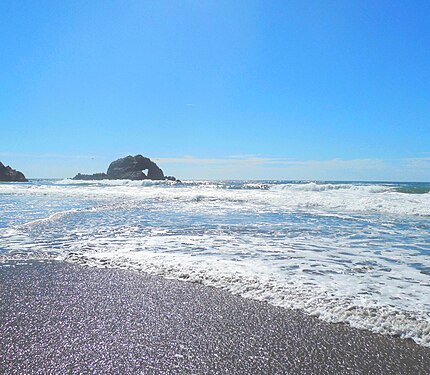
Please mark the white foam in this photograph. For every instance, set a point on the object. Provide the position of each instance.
(287, 197)
(318, 187)
(257, 281)
(54, 217)
(69, 181)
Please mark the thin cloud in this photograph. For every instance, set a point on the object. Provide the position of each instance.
(247, 160)
(260, 168)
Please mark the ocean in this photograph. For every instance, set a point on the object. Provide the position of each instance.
(351, 252)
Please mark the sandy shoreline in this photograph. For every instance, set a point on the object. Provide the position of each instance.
(59, 317)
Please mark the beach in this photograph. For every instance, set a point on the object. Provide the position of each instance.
(215, 187)
(58, 317)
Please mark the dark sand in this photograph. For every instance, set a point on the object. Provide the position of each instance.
(60, 318)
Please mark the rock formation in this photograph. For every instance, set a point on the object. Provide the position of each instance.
(132, 167)
(129, 168)
(95, 176)
(11, 175)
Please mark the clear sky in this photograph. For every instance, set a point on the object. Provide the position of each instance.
(218, 89)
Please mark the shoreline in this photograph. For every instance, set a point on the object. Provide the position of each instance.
(62, 317)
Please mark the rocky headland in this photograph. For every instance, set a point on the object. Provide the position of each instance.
(11, 175)
(129, 168)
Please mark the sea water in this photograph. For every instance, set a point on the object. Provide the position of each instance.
(348, 252)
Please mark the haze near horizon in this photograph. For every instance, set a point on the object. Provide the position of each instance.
(218, 90)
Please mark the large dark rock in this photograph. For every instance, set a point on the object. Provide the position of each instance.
(132, 167)
(11, 175)
(129, 168)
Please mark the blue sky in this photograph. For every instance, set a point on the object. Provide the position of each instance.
(218, 89)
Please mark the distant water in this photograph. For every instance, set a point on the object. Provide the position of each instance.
(346, 252)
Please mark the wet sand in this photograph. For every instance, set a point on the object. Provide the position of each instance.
(64, 318)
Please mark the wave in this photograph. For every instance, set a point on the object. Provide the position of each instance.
(297, 294)
(308, 197)
(57, 216)
(315, 186)
(71, 182)
(321, 187)
(312, 299)
(413, 190)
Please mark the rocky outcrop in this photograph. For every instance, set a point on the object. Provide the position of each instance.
(95, 176)
(132, 167)
(129, 168)
(11, 175)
